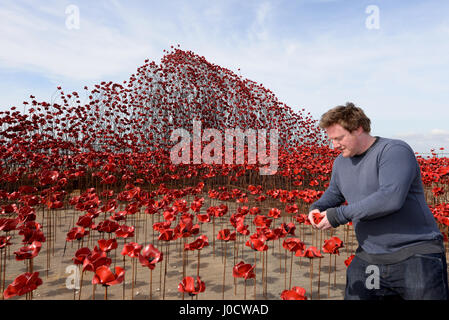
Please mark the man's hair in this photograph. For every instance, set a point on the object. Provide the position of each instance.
(349, 117)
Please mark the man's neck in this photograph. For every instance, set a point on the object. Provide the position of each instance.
(366, 143)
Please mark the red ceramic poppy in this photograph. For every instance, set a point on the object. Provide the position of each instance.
(167, 235)
(242, 228)
(226, 235)
(32, 234)
(23, 284)
(107, 245)
(125, 231)
(254, 211)
(274, 213)
(332, 245)
(84, 221)
(256, 244)
(8, 224)
(197, 204)
(310, 252)
(317, 217)
(292, 209)
(4, 241)
(293, 245)
(80, 255)
(262, 221)
(149, 256)
(300, 218)
(349, 260)
(131, 249)
(185, 228)
(188, 285)
(28, 252)
(107, 226)
(243, 270)
(296, 293)
(203, 217)
(288, 228)
(95, 259)
(76, 233)
(104, 276)
(201, 242)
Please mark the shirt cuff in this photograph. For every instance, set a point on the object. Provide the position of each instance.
(331, 214)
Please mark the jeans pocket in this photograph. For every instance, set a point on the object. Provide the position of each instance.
(426, 277)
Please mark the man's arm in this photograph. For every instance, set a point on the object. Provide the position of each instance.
(331, 197)
(397, 170)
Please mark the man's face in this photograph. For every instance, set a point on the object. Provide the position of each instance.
(343, 140)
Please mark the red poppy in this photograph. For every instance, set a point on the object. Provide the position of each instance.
(317, 217)
(292, 209)
(8, 209)
(242, 270)
(300, 218)
(8, 224)
(95, 259)
(242, 228)
(262, 221)
(203, 217)
(31, 232)
(310, 252)
(167, 235)
(274, 213)
(197, 204)
(107, 226)
(28, 252)
(257, 244)
(293, 245)
(4, 241)
(149, 256)
(188, 285)
(103, 275)
(76, 233)
(201, 242)
(125, 231)
(185, 228)
(226, 235)
(107, 245)
(288, 228)
(349, 260)
(296, 293)
(84, 221)
(332, 245)
(254, 211)
(23, 284)
(48, 177)
(80, 255)
(243, 210)
(131, 249)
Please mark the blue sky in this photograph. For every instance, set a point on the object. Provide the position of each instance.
(313, 54)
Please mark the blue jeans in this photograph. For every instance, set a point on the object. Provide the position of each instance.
(420, 277)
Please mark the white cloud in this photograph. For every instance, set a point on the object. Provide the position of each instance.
(45, 45)
(423, 142)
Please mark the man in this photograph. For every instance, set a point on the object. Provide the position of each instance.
(397, 234)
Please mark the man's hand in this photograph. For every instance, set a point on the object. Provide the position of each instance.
(324, 224)
(311, 213)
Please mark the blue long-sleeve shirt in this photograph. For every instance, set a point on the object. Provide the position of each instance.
(386, 203)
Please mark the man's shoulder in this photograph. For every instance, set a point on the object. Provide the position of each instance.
(388, 144)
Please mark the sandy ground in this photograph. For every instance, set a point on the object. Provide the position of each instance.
(273, 270)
